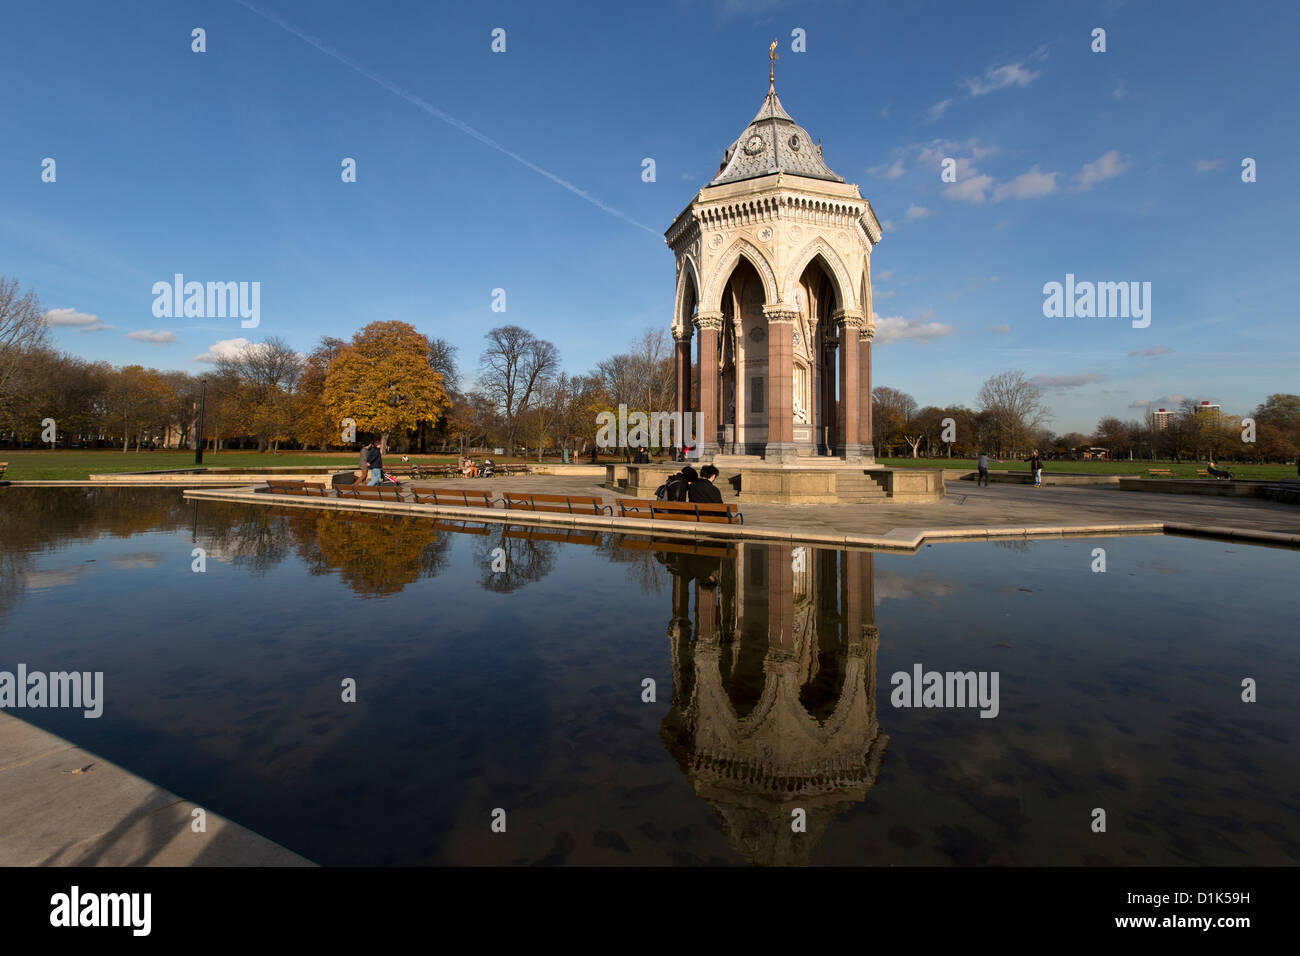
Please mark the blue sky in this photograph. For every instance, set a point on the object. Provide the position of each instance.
(225, 166)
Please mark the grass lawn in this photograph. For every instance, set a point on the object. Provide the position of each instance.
(74, 464)
(1182, 469)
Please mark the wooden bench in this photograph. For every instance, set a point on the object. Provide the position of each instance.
(566, 504)
(1159, 473)
(296, 486)
(1202, 473)
(512, 470)
(679, 510)
(463, 497)
(374, 492)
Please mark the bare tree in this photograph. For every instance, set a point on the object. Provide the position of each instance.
(1015, 406)
(268, 373)
(22, 327)
(512, 370)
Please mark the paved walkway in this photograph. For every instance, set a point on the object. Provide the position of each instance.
(63, 806)
(968, 511)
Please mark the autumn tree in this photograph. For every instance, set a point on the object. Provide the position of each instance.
(384, 381)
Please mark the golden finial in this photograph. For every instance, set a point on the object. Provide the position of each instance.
(772, 57)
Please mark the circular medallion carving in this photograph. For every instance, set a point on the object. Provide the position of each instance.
(797, 338)
(795, 233)
(765, 234)
(715, 240)
(842, 239)
(794, 142)
(757, 334)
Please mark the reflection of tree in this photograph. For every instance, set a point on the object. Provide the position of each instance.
(244, 535)
(528, 557)
(639, 562)
(374, 554)
(36, 521)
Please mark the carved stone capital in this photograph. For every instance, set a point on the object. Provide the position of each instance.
(683, 333)
(867, 332)
(708, 321)
(848, 319)
(780, 315)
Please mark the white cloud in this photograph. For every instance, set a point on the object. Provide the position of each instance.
(1067, 381)
(892, 170)
(975, 189)
(1119, 92)
(145, 335)
(71, 318)
(875, 294)
(1104, 167)
(916, 213)
(887, 225)
(1157, 350)
(1004, 328)
(896, 328)
(226, 348)
(1209, 165)
(937, 110)
(1028, 185)
(883, 276)
(1001, 77)
(1001, 225)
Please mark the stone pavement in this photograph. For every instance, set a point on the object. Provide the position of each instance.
(968, 511)
(63, 806)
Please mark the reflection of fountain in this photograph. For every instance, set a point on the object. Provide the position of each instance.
(774, 699)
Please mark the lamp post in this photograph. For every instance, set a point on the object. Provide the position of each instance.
(198, 436)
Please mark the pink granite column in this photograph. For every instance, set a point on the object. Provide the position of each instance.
(780, 380)
(864, 391)
(710, 325)
(682, 340)
(847, 443)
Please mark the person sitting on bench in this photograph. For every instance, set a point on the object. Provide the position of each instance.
(702, 489)
(1217, 472)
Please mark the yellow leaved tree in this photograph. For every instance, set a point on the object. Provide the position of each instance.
(384, 382)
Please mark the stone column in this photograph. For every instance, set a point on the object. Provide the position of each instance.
(709, 324)
(865, 335)
(780, 384)
(847, 442)
(681, 340)
(682, 366)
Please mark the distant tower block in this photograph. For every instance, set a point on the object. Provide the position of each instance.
(774, 280)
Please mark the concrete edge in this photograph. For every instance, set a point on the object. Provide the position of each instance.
(897, 539)
(32, 748)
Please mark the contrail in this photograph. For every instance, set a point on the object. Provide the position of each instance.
(439, 114)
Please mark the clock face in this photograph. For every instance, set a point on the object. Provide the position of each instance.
(753, 145)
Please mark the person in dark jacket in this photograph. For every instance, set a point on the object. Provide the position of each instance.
(375, 462)
(704, 489)
(1036, 468)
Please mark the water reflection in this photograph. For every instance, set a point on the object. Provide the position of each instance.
(774, 689)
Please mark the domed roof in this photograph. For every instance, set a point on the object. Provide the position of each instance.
(773, 143)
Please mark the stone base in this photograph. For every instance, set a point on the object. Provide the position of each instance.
(827, 482)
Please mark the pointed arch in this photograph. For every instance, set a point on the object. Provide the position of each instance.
(835, 266)
(688, 287)
(712, 301)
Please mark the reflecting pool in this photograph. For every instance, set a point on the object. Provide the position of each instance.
(510, 668)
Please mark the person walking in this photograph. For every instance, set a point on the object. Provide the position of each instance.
(375, 462)
(1036, 467)
(362, 464)
(983, 476)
